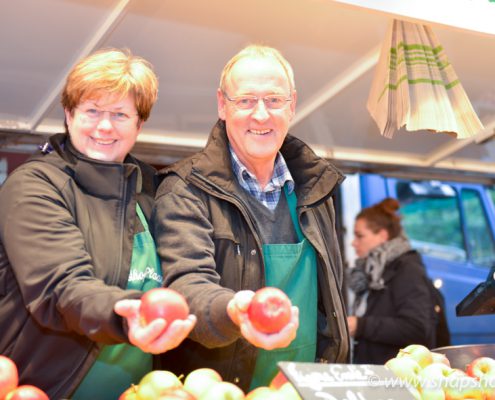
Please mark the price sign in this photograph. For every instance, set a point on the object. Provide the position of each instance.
(345, 382)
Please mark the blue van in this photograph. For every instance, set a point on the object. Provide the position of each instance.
(452, 224)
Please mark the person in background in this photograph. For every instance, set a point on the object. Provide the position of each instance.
(391, 305)
(75, 242)
(253, 209)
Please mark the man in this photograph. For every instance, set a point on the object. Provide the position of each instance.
(252, 209)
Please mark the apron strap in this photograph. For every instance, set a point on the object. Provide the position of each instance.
(141, 216)
(292, 203)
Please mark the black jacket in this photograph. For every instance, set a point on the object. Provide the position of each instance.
(397, 316)
(66, 229)
(211, 248)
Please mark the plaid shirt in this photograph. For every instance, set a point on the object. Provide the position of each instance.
(269, 196)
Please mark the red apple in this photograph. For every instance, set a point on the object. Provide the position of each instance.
(278, 380)
(9, 377)
(223, 391)
(163, 303)
(269, 310)
(459, 387)
(198, 381)
(27, 392)
(481, 367)
(417, 352)
(154, 383)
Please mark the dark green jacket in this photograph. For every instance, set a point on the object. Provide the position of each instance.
(211, 248)
(66, 233)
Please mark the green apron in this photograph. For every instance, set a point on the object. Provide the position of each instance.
(291, 268)
(118, 366)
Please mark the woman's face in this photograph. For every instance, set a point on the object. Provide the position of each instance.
(365, 239)
(104, 129)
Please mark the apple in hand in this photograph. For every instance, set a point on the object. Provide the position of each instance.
(417, 352)
(223, 391)
(27, 392)
(154, 383)
(163, 303)
(9, 378)
(269, 310)
(199, 380)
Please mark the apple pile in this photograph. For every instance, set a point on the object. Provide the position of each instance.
(430, 377)
(9, 381)
(204, 384)
(269, 310)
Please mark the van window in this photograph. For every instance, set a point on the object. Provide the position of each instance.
(431, 218)
(480, 240)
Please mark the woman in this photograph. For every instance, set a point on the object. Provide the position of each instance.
(76, 252)
(391, 305)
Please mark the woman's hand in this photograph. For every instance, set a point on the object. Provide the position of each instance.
(237, 310)
(157, 336)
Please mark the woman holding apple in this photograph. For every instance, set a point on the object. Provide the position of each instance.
(76, 253)
(390, 303)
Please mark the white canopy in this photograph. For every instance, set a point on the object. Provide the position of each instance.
(333, 47)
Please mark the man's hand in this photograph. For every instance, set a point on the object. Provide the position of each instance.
(155, 337)
(352, 323)
(237, 310)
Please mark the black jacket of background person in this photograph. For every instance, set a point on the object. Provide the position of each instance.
(400, 315)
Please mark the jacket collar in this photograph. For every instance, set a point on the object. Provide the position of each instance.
(315, 178)
(100, 178)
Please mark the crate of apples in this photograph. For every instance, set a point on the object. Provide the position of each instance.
(430, 376)
(204, 384)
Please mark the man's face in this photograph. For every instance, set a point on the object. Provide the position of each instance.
(257, 134)
(104, 129)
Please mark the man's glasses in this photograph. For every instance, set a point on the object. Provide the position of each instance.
(95, 115)
(272, 101)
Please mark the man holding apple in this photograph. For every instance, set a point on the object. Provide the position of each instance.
(253, 209)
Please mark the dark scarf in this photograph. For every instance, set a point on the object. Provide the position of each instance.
(368, 271)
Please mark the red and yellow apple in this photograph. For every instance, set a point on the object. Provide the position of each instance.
(9, 378)
(269, 310)
(163, 303)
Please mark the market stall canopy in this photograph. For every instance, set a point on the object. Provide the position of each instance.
(333, 46)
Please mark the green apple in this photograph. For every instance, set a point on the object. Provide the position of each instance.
(223, 391)
(154, 383)
(406, 369)
(265, 393)
(289, 392)
(417, 352)
(199, 380)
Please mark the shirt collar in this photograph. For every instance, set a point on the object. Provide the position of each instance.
(281, 174)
